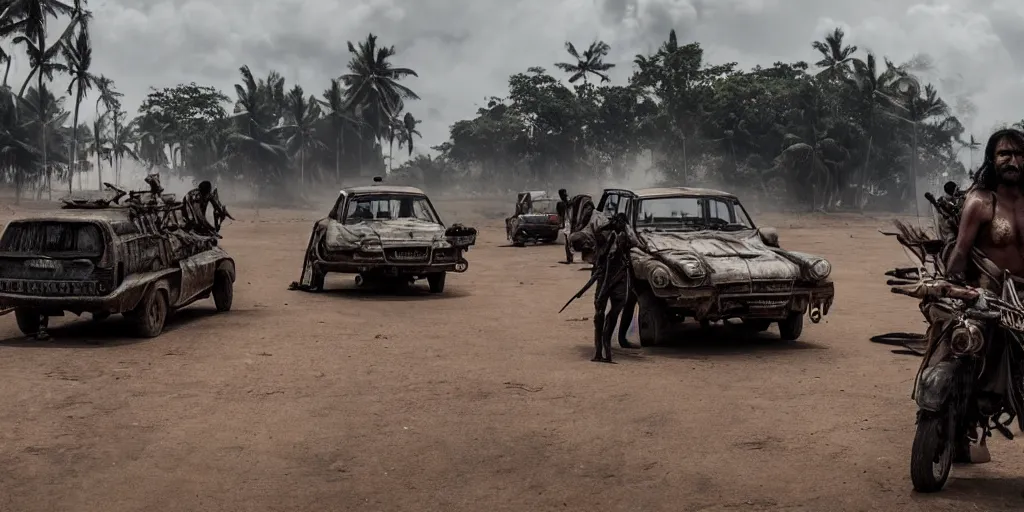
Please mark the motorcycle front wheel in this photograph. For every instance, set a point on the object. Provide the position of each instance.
(931, 456)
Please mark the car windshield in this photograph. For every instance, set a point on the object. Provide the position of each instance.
(389, 207)
(544, 207)
(692, 213)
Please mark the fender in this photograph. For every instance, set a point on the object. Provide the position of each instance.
(227, 265)
(935, 385)
(133, 289)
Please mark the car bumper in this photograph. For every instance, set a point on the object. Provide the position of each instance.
(711, 304)
(120, 300)
(393, 269)
(537, 231)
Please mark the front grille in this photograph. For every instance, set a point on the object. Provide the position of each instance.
(771, 286)
(763, 286)
(53, 288)
(415, 254)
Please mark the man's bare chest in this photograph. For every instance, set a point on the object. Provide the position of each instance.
(1006, 229)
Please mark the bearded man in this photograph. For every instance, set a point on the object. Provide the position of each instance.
(990, 233)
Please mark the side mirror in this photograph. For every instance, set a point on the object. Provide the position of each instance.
(769, 236)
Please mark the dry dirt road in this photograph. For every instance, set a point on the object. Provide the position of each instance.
(480, 399)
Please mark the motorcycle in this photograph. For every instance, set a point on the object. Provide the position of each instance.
(970, 378)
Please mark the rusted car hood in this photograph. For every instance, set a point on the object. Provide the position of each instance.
(736, 256)
(389, 232)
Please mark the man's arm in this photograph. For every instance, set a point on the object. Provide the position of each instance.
(977, 210)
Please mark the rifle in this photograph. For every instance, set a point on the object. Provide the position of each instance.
(593, 279)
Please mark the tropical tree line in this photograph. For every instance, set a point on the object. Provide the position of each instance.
(270, 134)
(851, 131)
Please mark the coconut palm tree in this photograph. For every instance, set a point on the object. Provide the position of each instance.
(342, 116)
(78, 56)
(591, 62)
(835, 58)
(372, 83)
(303, 113)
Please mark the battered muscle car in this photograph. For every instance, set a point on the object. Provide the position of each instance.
(143, 260)
(701, 256)
(382, 232)
(536, 219)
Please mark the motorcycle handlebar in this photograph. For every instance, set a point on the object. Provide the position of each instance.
(936, 289)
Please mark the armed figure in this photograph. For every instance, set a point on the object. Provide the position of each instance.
(607, 248)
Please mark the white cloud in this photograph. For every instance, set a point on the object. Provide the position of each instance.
(464, 50)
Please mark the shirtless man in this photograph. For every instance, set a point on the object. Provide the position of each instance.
(993, 215)
(991, 239)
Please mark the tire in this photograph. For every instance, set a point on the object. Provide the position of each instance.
(931, 455)
(28, 320)
(223, 291)
(436, 282)
(652, 322)
(792, 327)
(151, 314)
(756, 325)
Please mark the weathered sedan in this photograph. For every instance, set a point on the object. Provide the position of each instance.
(701, 256)
(536, 219)
(384, 232)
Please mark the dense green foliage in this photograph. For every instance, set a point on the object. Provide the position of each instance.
(272, 135)
(849, 131)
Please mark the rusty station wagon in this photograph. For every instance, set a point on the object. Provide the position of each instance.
(105, 261)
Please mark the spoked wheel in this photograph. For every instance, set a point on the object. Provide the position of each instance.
(931, 456)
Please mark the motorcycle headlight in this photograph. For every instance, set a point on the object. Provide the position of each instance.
(660, 277)
(371, 246)
(820, 270)
(693, 270)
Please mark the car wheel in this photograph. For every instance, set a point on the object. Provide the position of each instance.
(223, 291)
(436, 282)
(28, 320)
(791, 328)
(151, 314)
(653, 321)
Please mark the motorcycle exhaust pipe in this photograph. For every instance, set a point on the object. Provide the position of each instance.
(360, 281)
(815, 314)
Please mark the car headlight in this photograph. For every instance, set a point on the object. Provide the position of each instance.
(820, 269)
(693, 270)
(660, 277)
(372, 246)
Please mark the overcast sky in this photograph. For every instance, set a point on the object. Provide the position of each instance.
(464, 50)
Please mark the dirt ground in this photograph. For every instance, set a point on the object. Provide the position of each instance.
(482, 398)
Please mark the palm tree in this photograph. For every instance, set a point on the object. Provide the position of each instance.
(408, 129)
(835, 58)
(256, 112)
(591, 62)
(303, 114)
(122, 141)
(79, 58)
(16, 150)
(373, 84)
(342, 115)
(47, 115)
